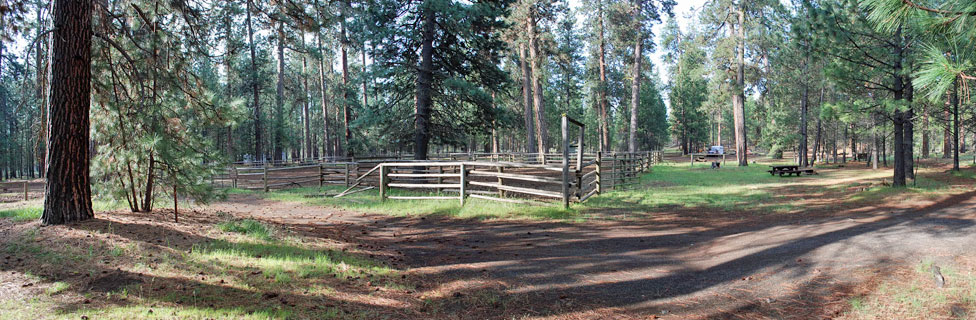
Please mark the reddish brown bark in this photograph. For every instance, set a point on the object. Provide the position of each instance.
(68, 192)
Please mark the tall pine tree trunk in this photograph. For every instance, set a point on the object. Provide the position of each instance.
(228, 89)
(365, 90)
(306, 101)
(344, 47)
(326, 138)
(279, 95)
(527, 99)
(67, 195)
(494, 127)
(817, 143)
(738, 102)
(425, 78)
(925, 131)
(804, 105)
(541, 129)
(604, 104)
(947, 128)
(252, 75)
(42, 72)
(954, 98)
(635, 81)
(909, 129)
(898, 125)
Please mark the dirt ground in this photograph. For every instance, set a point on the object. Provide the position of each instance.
(682, 264)
(781, 270)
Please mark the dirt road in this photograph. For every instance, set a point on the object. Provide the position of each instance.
(786, 269)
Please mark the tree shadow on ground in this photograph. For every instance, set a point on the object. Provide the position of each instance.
(154, 273)
(644, 267)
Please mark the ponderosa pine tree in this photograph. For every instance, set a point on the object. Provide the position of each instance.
(463, 67)
(67, 195)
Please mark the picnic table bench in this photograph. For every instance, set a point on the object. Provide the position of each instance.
(789, 170)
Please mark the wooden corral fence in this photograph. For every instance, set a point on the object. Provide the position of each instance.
(267, 178)
(569, 176)
(503, 180)
(22, 187)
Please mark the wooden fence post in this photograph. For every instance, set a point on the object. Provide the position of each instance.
(265, 178)
(234, 170)
(440, 180)
(346, 165)
(321, 176)
(464, 184)
(599, 164)
(383, 181)
(25, 190)
(565, 127)
(501, 193)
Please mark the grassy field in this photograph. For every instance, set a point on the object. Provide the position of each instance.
(668, 186)
(369, 201)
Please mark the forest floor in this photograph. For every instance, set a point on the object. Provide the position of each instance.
(687, 243)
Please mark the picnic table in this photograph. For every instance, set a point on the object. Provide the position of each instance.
(789, 170)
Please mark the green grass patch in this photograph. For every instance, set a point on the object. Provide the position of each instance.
(248, 227)
(33, 211)
(282, 262)
(23, 213)
(679, 185)
(238, 191)
(57, 287)
(369, 201)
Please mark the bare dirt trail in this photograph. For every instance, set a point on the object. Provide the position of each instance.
(782, 269)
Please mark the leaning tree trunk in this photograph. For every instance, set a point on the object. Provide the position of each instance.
(67, 195)
(425, 78)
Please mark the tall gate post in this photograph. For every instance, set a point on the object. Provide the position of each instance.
(463, 189)
(265, 178)
(599, 173)
(383, 181)
(565, 126)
